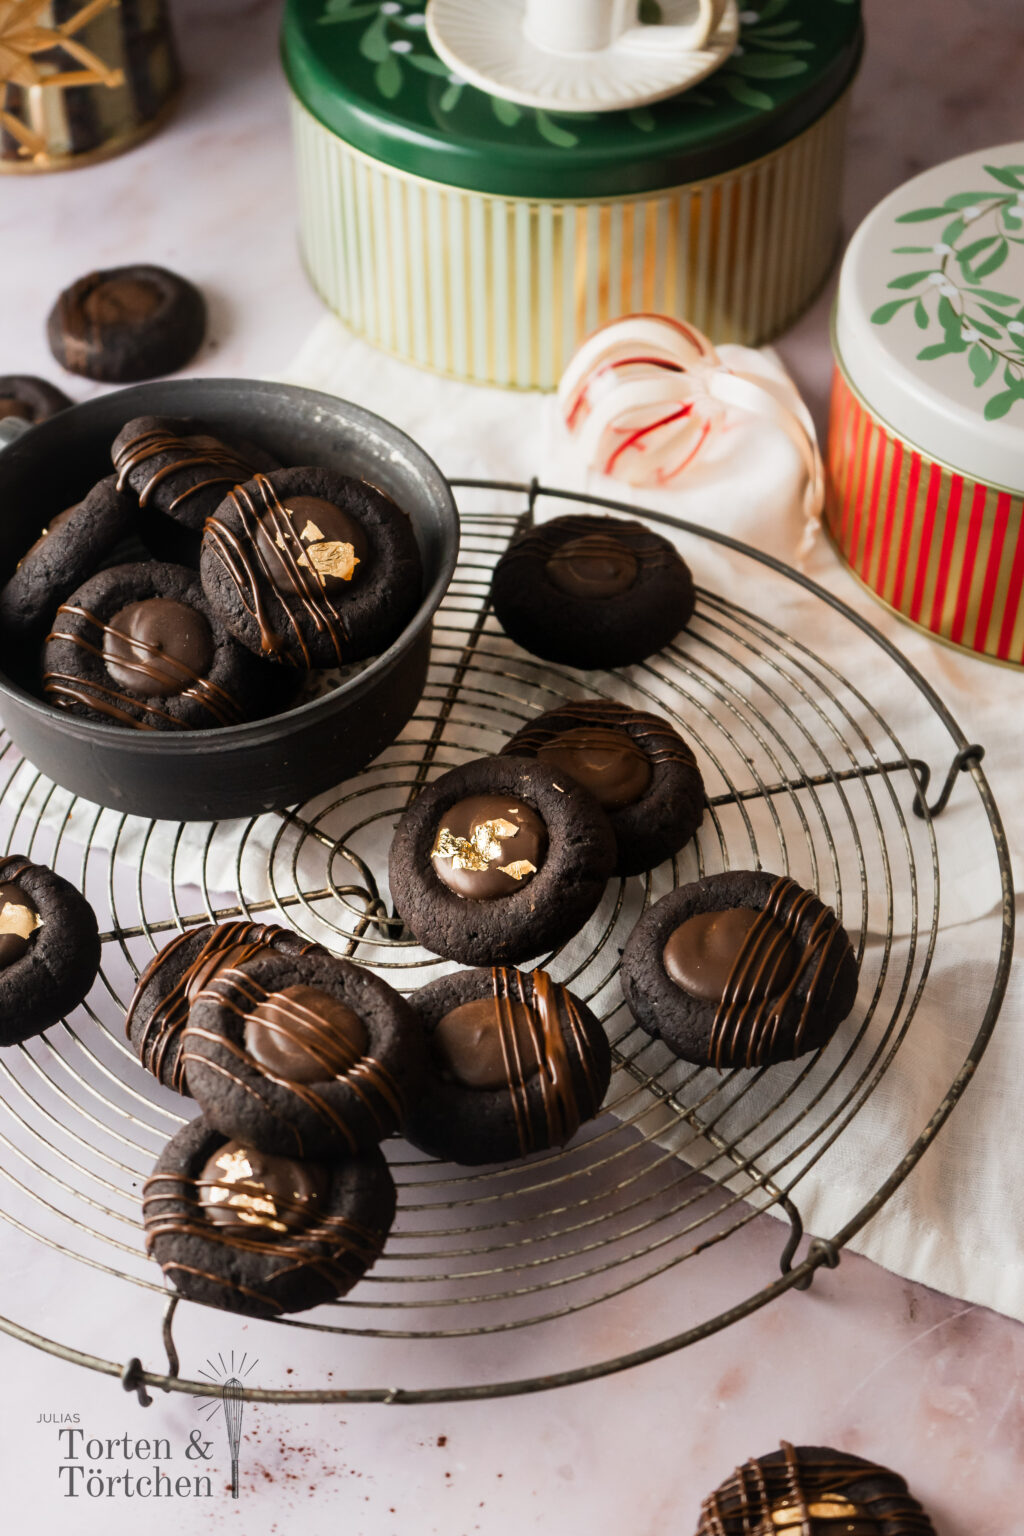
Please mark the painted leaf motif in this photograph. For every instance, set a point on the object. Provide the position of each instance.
(760, 67)
(739, 90)
(1000, 404)
(941, 349)
(373, 44)
(428, 63)
(910, 279)
(921, 315)
(387, 77)
(993, 262)
(885, 312)
(554, 133)
(983, 364)
(506, 112)
(920, 215)
(1009, 175)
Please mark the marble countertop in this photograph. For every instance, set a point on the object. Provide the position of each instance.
(865, 1360)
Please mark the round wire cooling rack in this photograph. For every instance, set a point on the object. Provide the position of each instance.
(648, 1232)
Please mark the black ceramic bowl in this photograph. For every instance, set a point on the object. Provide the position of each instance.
(243, 769)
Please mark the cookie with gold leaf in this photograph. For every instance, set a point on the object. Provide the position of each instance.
(49, 948)
(499, 860)
(311, 567)
(259, 1234)
(812, 1490)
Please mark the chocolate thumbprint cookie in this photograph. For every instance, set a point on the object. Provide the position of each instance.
(49, 948)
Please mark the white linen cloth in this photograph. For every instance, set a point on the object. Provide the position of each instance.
(957, 1222)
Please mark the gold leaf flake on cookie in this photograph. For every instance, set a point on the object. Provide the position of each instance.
(792, 1517)
(15, 918)
(519, 869)
(478, 851)
(331, 558)
(256, 1209)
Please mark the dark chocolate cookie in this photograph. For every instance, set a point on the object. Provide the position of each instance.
(181, 468)
(311, 567)
(592, 591)
(302, 1055)
(69, 549)
(127, 323)
(812, 1490)
(499, 860)
(739, 969)
(30, 399)
(163, 995)
(138, 645)
(49, 948)
(517, 1063)
(636, 766)
(234, 1228)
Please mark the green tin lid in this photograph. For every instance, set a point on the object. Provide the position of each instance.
(366, 70)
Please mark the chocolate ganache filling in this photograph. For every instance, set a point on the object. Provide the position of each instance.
(119, 301)
(304, 1035)
(482, 1043)
(18, 921)
(241, 1188)
(322, 538)
(751, 963)
(609, 763)
(594, 566)
(488, 846)
(524, 1034)
(157, 647)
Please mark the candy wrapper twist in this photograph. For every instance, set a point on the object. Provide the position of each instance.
(643, 395)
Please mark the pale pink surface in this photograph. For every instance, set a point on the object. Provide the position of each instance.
(867, 1361)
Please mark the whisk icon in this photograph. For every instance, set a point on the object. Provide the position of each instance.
(228, 1399)
(231, 1393)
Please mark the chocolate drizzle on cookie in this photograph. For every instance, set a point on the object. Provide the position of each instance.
(245, 998)
(798, 1495)
(334, 1247)
(763, 981)
(540, 1052)
(189, 452)
(268, 548)
(228, 944)
(168, 673)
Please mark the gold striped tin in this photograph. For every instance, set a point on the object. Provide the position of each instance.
(81, 80)
(939, 548)
(502, 290)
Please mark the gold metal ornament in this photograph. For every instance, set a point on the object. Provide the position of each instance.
(23, 38)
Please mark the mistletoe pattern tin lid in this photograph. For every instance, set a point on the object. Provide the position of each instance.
(366, 70)
(930, 313)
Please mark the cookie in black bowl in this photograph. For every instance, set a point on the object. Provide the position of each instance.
(139, 646)
(812, 1490)
(49, 948)
(636, 766)
(72, 546)
(252, 1233)
(180, 469)
(498, 860)
(177, 973)
(302, 1055)
(311, 568)
(517, 1064)
(739, 969)
(591, 591)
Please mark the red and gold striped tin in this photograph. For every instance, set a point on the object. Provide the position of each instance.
(939, 548)
(925, 459)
